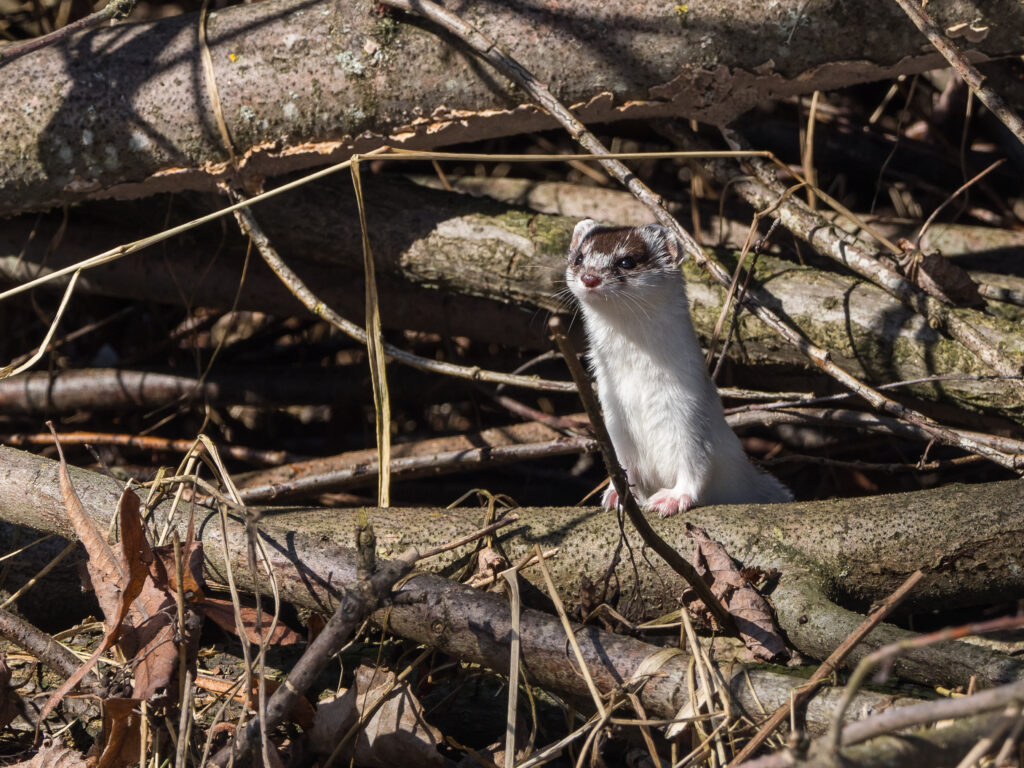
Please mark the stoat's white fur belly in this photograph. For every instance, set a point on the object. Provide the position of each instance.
(662, 410)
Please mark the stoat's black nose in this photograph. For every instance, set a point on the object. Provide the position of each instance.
(590, 280)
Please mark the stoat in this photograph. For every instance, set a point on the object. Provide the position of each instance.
(661, 407)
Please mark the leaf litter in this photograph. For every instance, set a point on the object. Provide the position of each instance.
(136, 586)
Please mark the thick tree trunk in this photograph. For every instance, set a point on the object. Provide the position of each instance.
(474, 267)
(966, 540)
(125, 111)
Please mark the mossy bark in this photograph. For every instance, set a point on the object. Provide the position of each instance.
(966, 540)
(459, 265)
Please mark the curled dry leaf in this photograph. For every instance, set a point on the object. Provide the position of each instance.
(749, 609)
(489, 562)
(220, 611)
(938, 276)
(223, 613)
(396, 734)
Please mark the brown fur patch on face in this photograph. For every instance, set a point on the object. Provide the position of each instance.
(607, 245)
(616, 243)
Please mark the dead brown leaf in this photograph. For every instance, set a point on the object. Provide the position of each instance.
(121, 736)
(117, 581)
(220, 611)
(9, 708)
(749, 609)
(101, 555)
(151, 641)
(489, 562)
(223, 613)
(135, 595)
(53, 756)
(938, 276)
(396, 734)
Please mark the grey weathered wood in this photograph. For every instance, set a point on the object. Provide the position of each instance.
(458, 265)
(124, 111)
(964, 538)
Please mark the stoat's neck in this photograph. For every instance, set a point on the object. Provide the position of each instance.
(658, 325)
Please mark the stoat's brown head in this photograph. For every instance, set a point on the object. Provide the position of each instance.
(608, 261)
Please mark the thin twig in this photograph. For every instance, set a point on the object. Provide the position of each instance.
(301, 291)
(355, 604)
(996, 104)
(114, 9)
(11, 599)
(886, 653)
(962, 188)
(11, 370)
(511, 576)
(409, 467)
(828, 667)
(808, 400)
(44, 647)
(80, 332)
(892, 467)
(212, 90)
(676, 561)
(492, 53)
(375, 349)
(1012, 739)
(868, 421)
(736, 310)
(761, 188)
(570, 633)
(485, 531)
(150, 443)
(899, 718)
(985, 744)
(807, 158)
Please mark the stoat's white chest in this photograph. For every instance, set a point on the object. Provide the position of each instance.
(654, 389)
(660, 405)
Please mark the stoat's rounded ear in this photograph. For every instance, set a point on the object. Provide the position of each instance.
(580, 232)
(661, 239)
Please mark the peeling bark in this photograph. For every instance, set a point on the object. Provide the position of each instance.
(125, 112)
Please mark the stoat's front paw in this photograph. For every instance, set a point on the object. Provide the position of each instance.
(610, 500)
(667, 502)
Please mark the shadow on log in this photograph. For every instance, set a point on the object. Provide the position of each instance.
(966, 540)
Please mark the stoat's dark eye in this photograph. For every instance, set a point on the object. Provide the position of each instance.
(625, 263)
(577, 259)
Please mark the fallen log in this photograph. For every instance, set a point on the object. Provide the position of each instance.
(965, 539)
(124, 113)
(473, 267)
(467, 623)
